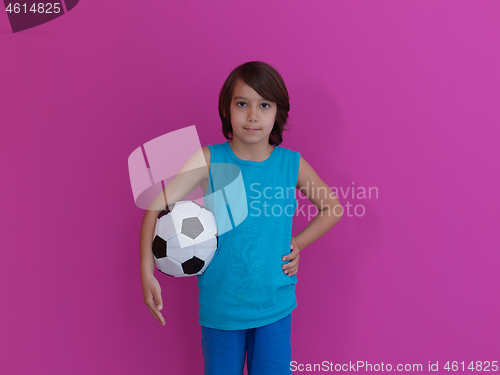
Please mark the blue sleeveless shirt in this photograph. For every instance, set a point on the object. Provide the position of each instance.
(244, 286)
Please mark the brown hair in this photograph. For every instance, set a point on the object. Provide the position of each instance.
(268, 83)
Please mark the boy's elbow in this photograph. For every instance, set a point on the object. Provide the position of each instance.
(337, 211)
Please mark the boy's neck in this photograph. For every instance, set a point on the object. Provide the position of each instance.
(251, 151)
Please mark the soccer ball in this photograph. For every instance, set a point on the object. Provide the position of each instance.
(185, 239)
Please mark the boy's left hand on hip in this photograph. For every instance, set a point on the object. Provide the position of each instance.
(292, 267)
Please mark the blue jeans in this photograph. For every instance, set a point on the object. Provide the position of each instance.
(268, 349)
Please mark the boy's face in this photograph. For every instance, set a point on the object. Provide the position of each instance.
(250, 111)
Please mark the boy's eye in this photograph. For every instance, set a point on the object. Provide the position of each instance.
(264, 104)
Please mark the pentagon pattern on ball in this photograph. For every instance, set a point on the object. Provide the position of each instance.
(159, 247)
(193, 266)
(191, 227)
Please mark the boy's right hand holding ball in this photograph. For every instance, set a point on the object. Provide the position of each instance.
(151, 291)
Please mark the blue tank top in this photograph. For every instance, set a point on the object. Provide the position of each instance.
(244, 286)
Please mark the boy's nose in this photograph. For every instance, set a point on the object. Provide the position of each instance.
(252, 115)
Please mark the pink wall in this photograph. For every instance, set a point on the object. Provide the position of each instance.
(398, 95)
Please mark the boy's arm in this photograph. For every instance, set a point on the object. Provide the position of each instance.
(192, 174)
(146, 241)
(320, 194)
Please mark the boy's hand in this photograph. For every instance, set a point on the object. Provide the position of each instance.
(152, 296)
(292, 267)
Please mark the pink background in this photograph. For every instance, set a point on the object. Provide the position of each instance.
(399, 95)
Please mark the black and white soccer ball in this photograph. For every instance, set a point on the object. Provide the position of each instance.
(185, 239)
